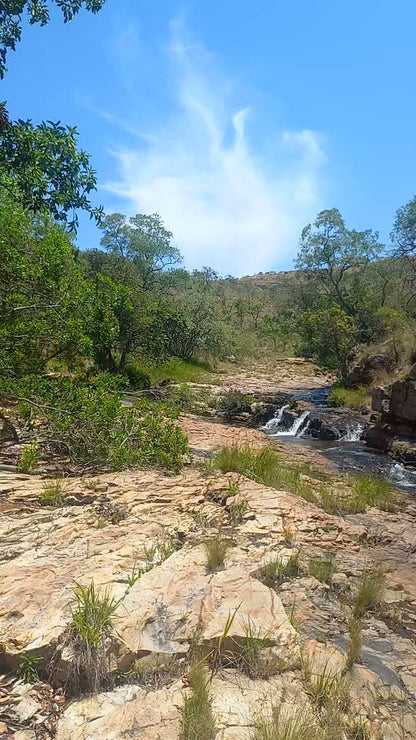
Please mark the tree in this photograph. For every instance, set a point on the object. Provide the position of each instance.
(332, 253)
(43, 170)
(328, 335)
(11, 12)
(43, 297)
(142, 239)
(404, 233)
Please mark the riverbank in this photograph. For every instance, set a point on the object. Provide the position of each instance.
(114, 527)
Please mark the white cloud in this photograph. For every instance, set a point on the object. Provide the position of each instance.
(228, 207)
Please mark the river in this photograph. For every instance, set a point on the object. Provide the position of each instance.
(349, 454)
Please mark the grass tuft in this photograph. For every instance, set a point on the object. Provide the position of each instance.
(274, 572)
(371, 491)
(53, 494)
(238, 510)
(198, 721)
(322, 569)
(369, 592)
(286, 723)
(216, 550)
(93, 617)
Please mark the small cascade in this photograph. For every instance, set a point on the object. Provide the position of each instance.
(296, 428)
(276, 420)
(354, 433)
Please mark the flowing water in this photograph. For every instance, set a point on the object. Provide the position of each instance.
(349, 454)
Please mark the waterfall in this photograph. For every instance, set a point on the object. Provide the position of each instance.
(353, 433)
(276, 419)
(296, 428)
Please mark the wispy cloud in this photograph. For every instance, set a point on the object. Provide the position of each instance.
(229, 206)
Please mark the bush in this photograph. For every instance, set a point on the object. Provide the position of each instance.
(88, 423)
(357, 398)
(233, 403)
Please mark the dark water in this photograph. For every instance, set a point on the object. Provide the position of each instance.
(349, 454)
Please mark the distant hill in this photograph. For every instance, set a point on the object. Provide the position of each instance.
(270, 278)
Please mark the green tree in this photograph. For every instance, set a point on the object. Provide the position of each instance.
(43, 296)
(142, 239)
(331, 253)
(328, 335)
(38, 11)
(43, 170)
(404, 233)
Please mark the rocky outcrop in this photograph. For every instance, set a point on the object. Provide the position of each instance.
(395, 429)
(364, 370)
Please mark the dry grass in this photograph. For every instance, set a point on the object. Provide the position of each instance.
(285, 722)
(216, 550)
(355, 627)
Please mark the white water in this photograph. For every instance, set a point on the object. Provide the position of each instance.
(403, 476)
(296, 428)
(276, 419)
(353, 433)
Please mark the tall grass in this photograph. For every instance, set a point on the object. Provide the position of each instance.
(286, 723)
(370, 491)
(322, 569)
(353, 398)
(266, 467)
(198, 721)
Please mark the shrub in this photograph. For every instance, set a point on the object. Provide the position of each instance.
(353, 398)
(93, 617)
(233, 403)
(369, 592)
(198, 721)
(274, 572)
(29, 458)
(138, 378)
(52, 494)
(216, 549)
(88, 423)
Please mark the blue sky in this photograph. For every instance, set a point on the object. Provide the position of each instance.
(236, 121)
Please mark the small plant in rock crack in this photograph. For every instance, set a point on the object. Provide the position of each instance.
(53, 494)
(216, 550)
(112, 513)
(137, 572)
(322, 569)
(277, 570)
(233, 487)
(326, 687)
(92, 625)
(238, 510)
(355, 627)
(369, 591)
(28, 668)
(29, 458)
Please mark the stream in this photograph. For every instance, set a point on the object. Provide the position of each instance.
(350, 453)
